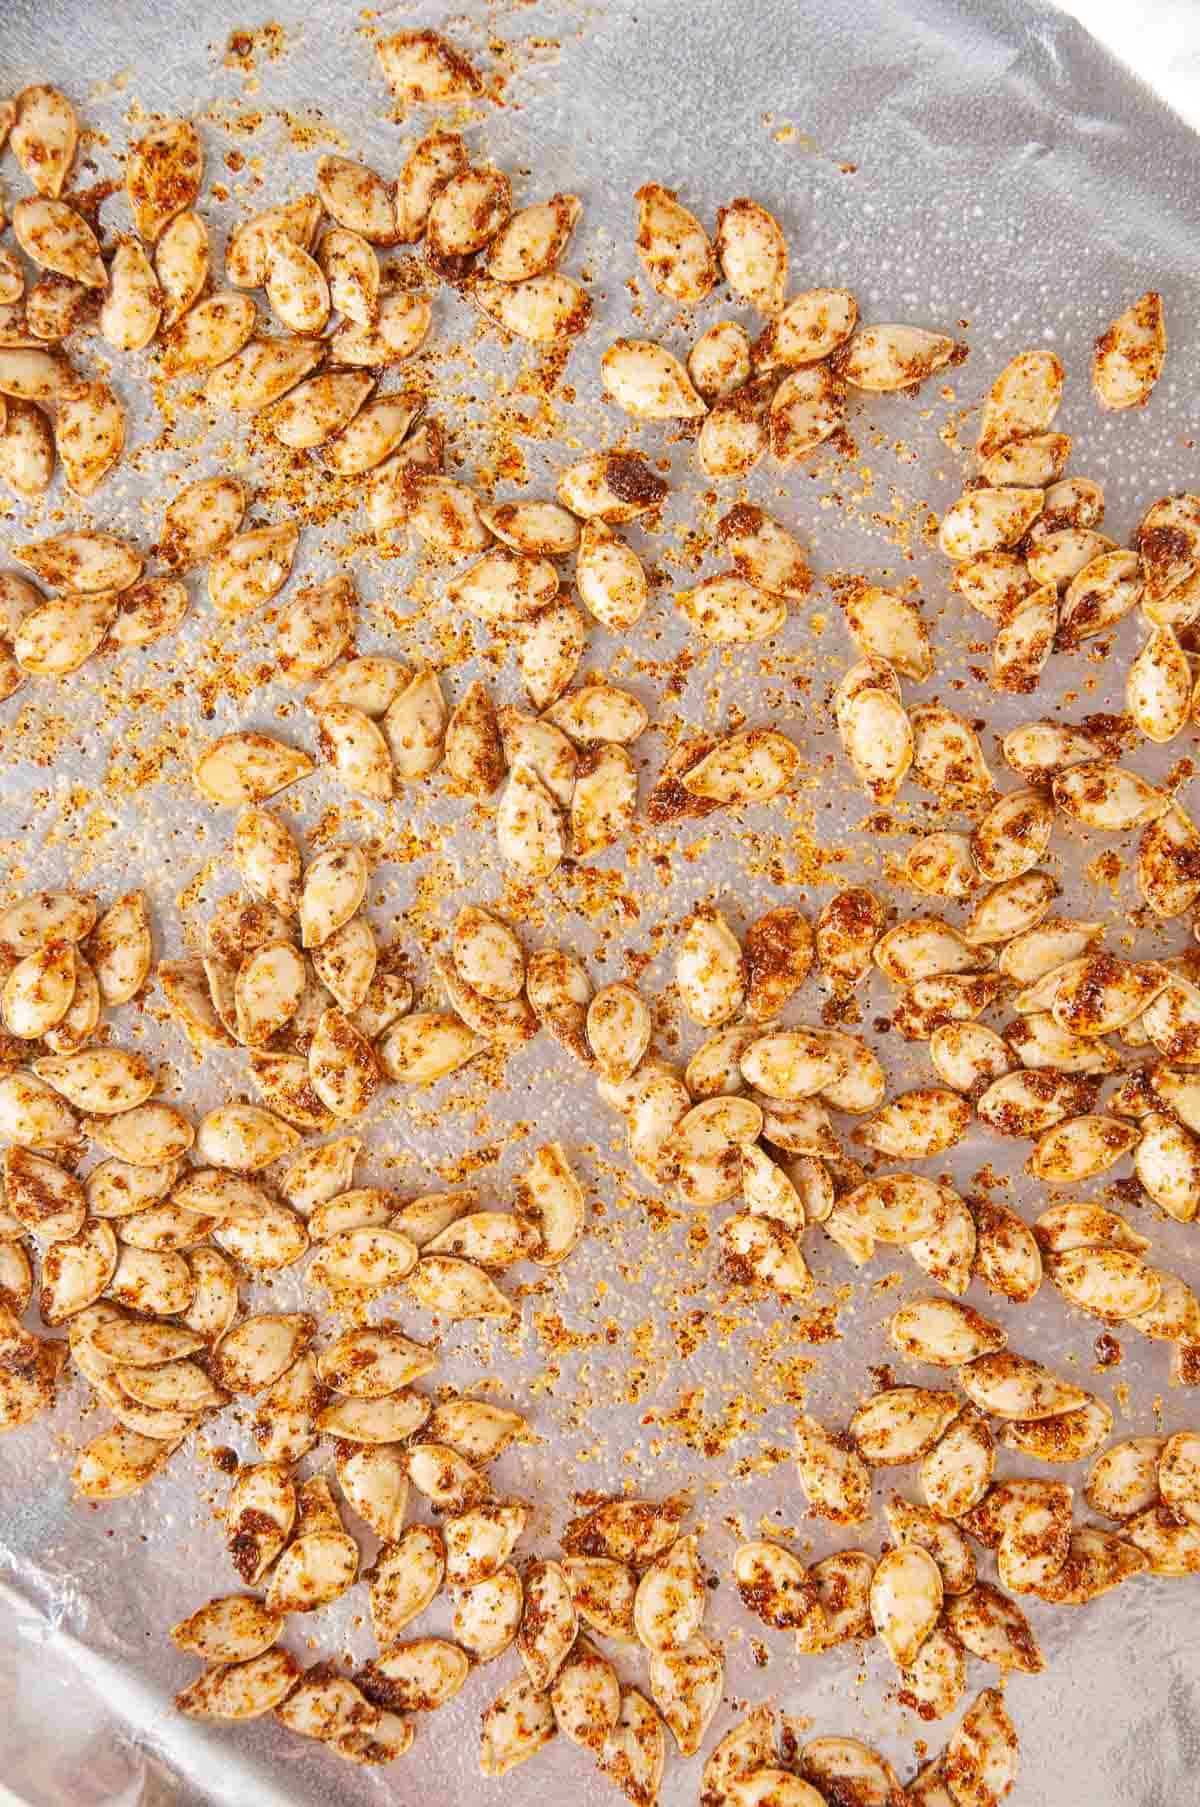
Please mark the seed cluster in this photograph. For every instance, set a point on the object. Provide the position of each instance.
(139, 1258)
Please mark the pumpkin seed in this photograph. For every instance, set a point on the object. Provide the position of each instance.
(968, 1056)
(1171, 1546)
(1027, 463)
(603, 1590)
(262, 371)
(809, 328)
(1093, 995)
(372, 1363)
(26, 449)
(319, 1174)
(516, 1725)
(878, 738)
(364, 1207)
(1035, 1535)
(835, 1479)
(375, 1483)
(1022, 401)
(611, 487)
(944, 1333)
(889, 627)
(241, 1690)
(132, 308)
(328, 1707)
(251, 568)
(1167, 1163)
(672, 246)
(901, 1424)
(807, 408)
(486, 1616)
(408, 1572)
(1012, 1386)
(939, 1538)
(947, 755)
(748, 767)
(1056, 555)
(752, 252)
(43, 137)
(1067, 1437)
(549, 1625)
(32, 1115)
(618, 1030)
(55, 237)
(776, 1587)
(586, 1698)
(1026, 1104)
(244, 1138)
(885, 358)
(457, 1288)
(162, 175)
(228, 1630)
(214, 1303)
(335, 885)
(181, 264)
(1106, 796)
(117, 1463)
(374, 1421)
(62, 633)
(296, 286)
(540, 529)
(1077, 1223)
(1007, 1256)
(719, 361)
(610, 577)
(474, 754)
(1130, 353)
(505, 586)
(145, 1137)
(925, 1121)
(248, 767)
(38, 993)
(770, 1788)
(1111, 1283)
(1179, 1475)
(426, 1046)
(468, 210)
(992, 1627)
(341, 1065)
(534, 239)
(1012, 836)
(603, 801)
(543, 309)
(1023, 645)
(76, 1268)
(318, 1567)
(736, 431)
(480, 1542)
(1080, 1148)
(685, 1685)
(436, 158)
(425, 66)
(1097, 1561)
(988, 520)
(957, 1471)
(30, 375)
(646, 381)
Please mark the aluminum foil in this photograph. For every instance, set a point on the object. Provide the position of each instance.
(981, 167)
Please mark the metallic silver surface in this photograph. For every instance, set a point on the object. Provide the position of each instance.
(980, 167)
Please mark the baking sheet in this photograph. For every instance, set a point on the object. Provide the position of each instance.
(984, 168)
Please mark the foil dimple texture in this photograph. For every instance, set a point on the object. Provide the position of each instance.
(983, 168)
